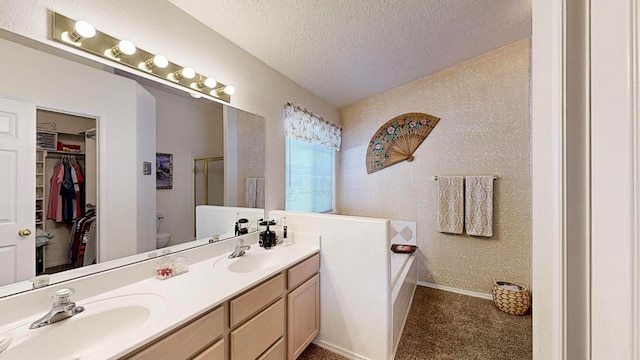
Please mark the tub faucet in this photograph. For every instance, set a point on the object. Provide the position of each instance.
(239, 250)
(62, 308)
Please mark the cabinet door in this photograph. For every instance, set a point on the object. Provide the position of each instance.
(304, 316)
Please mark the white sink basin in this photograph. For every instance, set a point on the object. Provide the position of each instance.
(256, 260)
(103, 323)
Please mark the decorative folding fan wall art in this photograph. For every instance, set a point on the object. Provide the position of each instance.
(398, 139)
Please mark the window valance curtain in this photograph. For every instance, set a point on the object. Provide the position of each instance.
(306, 126)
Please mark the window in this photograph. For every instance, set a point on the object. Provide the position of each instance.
(311, 144)
(310, 176)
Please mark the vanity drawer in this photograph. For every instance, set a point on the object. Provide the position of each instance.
(255, 299)
(187, 340)
(303, 271)
(275, 352)
(213, 352)
(258, 334)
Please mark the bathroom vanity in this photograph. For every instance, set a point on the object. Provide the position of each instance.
(263, 305)
(258, 324)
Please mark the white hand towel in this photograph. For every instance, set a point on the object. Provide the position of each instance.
(250, 192)
(479, 205)
(450, 204)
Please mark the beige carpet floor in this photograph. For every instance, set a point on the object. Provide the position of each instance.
(449, 326)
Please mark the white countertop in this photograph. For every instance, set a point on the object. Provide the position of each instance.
(207, 284)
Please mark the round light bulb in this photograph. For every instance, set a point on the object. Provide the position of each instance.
(195, 95)
(160, 61)
(229, 90)
(84, 29)
(188, 73)
(127, 47)
(210, 83)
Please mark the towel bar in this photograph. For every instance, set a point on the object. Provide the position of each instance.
(495, 177)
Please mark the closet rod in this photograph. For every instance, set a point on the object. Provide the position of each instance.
(60, 154)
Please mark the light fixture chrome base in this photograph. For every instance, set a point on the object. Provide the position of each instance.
(102, 45)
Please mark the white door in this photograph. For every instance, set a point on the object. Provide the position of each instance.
(17, 191)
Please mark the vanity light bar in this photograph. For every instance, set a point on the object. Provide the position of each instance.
(81, 35)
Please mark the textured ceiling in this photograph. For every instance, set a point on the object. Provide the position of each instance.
(348, 50)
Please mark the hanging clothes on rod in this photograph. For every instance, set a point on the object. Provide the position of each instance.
(82, 247)
(66, 195)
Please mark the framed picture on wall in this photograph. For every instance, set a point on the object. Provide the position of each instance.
(164, 171)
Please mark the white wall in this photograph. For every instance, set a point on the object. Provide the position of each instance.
(354, 282)
(259, 88)
(220, 220)
(68, 88)
(187, 129)
(145, 149)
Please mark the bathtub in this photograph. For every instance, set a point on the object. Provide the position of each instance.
(364, 303)
(404, 272)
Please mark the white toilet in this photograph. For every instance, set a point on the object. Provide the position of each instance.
(162, 239)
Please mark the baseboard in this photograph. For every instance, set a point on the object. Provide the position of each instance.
(456, 290)
(338, 350)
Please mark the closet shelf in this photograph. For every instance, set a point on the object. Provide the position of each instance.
(72, 134)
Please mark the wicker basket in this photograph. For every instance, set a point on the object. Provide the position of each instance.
(514, 302)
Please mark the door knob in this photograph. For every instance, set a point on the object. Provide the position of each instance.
(24, 232)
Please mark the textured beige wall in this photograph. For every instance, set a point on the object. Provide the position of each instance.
(484, 129)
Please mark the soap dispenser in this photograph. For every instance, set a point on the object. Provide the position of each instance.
(267, 238)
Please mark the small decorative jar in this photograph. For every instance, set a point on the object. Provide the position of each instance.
(165, 268)
(181, 264)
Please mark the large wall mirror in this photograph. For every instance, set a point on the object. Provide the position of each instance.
(109, 167)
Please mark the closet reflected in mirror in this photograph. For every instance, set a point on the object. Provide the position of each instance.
(66, 222)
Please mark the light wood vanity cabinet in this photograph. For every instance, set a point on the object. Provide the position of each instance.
(304, 316)
(303, 306)
(257, 335)
(275, 352)
(274, 320)
(213, 352)
(188, 340)
(247, 304)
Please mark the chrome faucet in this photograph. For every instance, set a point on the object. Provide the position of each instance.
(239, 250)
(62, 308)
